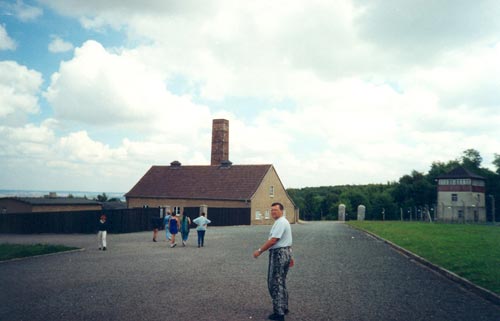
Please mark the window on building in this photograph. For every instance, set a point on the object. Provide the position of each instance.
(258, 216)
(267, 216)
(460, 214)
(478, 198)
(271, 191)
(454, 197)
(177, 210)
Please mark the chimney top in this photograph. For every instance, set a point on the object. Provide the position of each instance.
(175, 164)
(226, 164)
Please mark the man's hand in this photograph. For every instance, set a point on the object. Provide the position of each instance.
(292, 263)
(256, 254)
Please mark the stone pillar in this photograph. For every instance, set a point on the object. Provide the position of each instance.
(220, 141)
(166, 209)
(342, 212)
(361, 212)
(204, 209)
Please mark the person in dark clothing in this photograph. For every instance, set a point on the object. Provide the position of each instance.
(156, 221)
(102, 232)
(185, 222)
(173, 226)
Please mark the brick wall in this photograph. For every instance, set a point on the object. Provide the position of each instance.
(263, 199)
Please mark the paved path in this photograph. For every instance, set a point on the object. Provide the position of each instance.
(340, 274)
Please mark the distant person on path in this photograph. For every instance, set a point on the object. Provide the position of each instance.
(166, 220)
(102, 232)
(173, 226)
(185, 222)
(202, 222)
(280, 260)
(156, 222)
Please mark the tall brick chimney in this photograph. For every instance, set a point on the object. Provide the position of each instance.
(220, 141)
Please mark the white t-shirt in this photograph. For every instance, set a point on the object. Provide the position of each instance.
(281, 230)
(202, 222)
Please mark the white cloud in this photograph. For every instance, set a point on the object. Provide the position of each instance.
(6, 43)
(22, 11)
(59, 45)
(348, 91)
(19, 89)
(35, 157)
(101, 88)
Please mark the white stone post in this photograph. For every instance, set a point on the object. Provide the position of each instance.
(342, 212)
(361, 212)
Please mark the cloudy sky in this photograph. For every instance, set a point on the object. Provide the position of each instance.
(92, 93)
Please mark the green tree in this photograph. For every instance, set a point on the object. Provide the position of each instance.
(471, 159)
(496, 162)
(102, 197)
(382, 203)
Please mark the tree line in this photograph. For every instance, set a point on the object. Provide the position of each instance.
(410, 197)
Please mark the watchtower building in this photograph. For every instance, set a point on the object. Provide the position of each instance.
(461, 197)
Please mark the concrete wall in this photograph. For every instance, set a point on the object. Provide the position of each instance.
(15, 206)
(262, 200)
(471, 204)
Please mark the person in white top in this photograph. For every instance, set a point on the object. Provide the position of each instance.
(280, 260)
(202, 222)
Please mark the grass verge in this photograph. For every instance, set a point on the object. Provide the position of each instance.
(471, 251)
(12, 251)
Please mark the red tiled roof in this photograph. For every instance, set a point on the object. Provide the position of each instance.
(460, 172)
(238, 182)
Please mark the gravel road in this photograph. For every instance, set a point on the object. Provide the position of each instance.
(340, 274)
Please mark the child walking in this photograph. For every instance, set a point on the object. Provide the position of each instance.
(102, 232)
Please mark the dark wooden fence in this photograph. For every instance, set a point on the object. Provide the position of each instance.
(120, 221)
(222, 216)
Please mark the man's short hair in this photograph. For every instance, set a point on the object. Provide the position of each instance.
(279, 204)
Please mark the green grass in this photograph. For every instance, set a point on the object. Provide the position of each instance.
(471, 251)
(11, 251)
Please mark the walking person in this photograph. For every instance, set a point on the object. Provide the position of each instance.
(156, 223)
(102, 232)
(202, 222)
(280, 260)
(185, 222)
(166, 220)
(173, 226)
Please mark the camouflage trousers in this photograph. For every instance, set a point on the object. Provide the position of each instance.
(279, 262)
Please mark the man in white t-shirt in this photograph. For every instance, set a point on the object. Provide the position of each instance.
(279, 245)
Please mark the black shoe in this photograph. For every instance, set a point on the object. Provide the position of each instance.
(154, 240)
(286, 311)
(100, 249)
(104, 248)
(275, 316)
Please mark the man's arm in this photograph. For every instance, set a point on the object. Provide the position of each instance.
(269, 243)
